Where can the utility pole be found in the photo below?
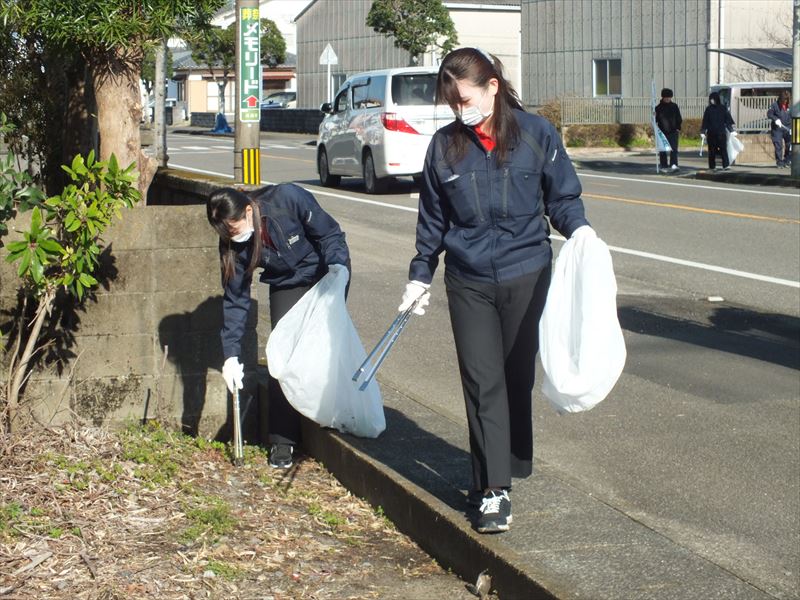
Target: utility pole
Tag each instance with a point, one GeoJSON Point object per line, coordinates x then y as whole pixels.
{"type": "Point", "coordinates": [246, 148]}
{"type": "Point", "coordinates": [159, 109]}
{"type": "Point", "coordinates": [796, 91]}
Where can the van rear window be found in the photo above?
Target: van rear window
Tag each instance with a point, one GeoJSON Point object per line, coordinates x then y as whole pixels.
{"type": "Point", "coordinates": [414, 89]}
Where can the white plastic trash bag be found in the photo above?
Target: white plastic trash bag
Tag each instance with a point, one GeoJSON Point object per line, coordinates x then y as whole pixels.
{"type": "Point", "coordinates": [580, 339]}
{"type": "Point", "coordinates": [735, 147]}
{"type": "Point", "coordinates": [314, 351]}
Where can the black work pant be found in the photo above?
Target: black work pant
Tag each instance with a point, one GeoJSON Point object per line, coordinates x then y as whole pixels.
{"type": "Point", "coordinates": [496, 331]}
{"type": "Point", "coordinates": [672, 138]}
{"type": "Point", "coordinates": [717, 146]}
{"type": "Point", "coordinates": [782, 141]}
{"type": "Point", "coordinates": [283, 423]}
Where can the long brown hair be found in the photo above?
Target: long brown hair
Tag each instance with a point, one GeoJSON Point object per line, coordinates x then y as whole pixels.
{"type": "Point", "coordinates": [223, 206]}
{"type": "Point", "coordinates": [478, 67]}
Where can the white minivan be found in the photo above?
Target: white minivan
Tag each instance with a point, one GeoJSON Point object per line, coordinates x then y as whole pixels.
{"type": "Point", "coordinates": [379, 126]}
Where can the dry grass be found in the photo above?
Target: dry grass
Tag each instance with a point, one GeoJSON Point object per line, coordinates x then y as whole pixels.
{"type": "Point", "coordinates": [148, 513]}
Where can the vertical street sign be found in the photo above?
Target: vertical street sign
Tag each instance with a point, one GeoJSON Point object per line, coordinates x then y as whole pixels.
{"type": "Point", "coordinates": [249, 65]}
{"type": "Point", "coordinates": [247, 141]}
{"type": "Point", "coordinates": [328, 57]}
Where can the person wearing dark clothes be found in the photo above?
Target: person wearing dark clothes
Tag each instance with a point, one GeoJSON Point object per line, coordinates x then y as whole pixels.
{"type": "Point", "coordinates": [281, 230]}
{"type": "Point", "coordinates": [489, 179]}
{"type": "Point", "coordinates": [717, 123]}
{"type": "Point", "coordinates": [780, 128]}
{"type": "Point", "coordinates": [668, 119]}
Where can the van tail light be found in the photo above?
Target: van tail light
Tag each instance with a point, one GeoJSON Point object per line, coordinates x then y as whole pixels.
{"type": "Point", "coordinates": [394, 122]}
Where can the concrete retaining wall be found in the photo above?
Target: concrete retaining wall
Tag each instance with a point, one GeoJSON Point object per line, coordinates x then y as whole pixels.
{"type": "Point", "coordinates": [147, 344]}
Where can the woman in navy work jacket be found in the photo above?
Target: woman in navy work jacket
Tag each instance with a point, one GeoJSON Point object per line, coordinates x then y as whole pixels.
{"type": "Point", "coordinates": [489, 180]}
{"type": "Point", "coordinates": [283, 231]}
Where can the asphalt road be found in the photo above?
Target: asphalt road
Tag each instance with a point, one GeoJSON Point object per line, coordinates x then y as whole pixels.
{"type": "Point", "coordinates": [700, 439]}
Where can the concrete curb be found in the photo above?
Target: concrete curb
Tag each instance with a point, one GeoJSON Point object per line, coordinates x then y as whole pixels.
{"type": "Point", "coordinates": [748, 178]}
{"type": "Point", "coordinates": [439, 530]}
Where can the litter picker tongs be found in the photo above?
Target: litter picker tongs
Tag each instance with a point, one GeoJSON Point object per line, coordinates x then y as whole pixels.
{"type": "Point", "coordinates": [383, 346]}
{"type": "Point", "coordinates": [238, 451]}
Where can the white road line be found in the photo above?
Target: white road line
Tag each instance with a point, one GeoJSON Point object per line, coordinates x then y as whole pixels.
{"type": "Point", "coordinates": [280, 147]}
{"type": "Point", "coordinates": [691, 185]}
{"type": "Point", "coordinates": [650, 255]}
{"type": "Point", "coordinates": [224, 147]}
{"type": "Point", "coordinates": [192, 148]}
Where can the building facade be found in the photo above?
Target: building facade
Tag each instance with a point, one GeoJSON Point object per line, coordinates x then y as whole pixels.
{"type": "Point", "coordinates": [494, 25]}
{"type": "Point", "coordinates": [616, 48]}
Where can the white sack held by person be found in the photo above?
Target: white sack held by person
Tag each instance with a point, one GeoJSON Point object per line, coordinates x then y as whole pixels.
{"type": "Point", "coordinates": [313, 352]}
{"type": "Point", "coordinates": [735, 146]}
{"type": "Point", "coordinates": [581, 344]}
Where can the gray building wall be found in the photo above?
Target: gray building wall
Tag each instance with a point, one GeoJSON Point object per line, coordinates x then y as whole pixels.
{"type": "Point", "coordinates": [358, 48]}
{"type": "Point", "coordinates": [665, 41]}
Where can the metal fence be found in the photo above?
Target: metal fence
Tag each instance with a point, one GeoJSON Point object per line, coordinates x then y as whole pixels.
{"type": "Point", "coordinates": [604, 111]}
{"type": "Point", "coordinates": [750, 114]}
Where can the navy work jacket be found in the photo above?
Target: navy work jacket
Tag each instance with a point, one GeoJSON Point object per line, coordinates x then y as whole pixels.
{"type": "Point", "coordinates": [299, 241]}
{"type": "Point", "coordinates": [489, 219]}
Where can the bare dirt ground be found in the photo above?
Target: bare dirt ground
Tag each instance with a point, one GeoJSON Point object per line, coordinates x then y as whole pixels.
{"type": "Point", "coordinates": [148, 513]}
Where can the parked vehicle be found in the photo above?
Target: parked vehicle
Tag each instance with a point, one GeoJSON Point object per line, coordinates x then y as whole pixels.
{"type": "Point", "coordinates": [748, 101]}
{"type": "Point", "coordinates": [379, 126]}
{"type": "Point", "coordinates": [279, 100]}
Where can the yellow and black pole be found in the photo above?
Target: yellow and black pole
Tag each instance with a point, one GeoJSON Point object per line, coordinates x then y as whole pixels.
{"type": "Point", "coordinates": [246, 149]}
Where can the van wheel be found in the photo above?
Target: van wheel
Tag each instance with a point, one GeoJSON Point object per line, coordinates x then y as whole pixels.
{"type": "Point", "coordinates": [325, 177]}
{"type": "Point", "coordinates": [372, 183]}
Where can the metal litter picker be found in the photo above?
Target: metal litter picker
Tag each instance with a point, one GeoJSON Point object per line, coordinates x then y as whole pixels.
{"type": "Point", "coordinates": [238, 451]}
{"type": "Point", "coordinates": [383, 346]}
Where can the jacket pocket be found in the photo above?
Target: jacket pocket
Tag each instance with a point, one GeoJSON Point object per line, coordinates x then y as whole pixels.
{"type": "Point", "coordinates": [465, 200]}
{"type": "Point", "coordinates": [520, 192]}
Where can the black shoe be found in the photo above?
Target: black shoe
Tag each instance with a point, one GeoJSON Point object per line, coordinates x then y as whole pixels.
{"type": "Point", "coordinates": [495, 512]}
{"type": "Point", "coordinates": [280, 456]}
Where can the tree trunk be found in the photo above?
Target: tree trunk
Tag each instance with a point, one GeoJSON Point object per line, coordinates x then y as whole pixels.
{"type": "Point", "coordinates": [20, 369]}
{"type": "Point", "coordinates": [119, 113]}
{"type": "Point", "coordinates": [221, 87]}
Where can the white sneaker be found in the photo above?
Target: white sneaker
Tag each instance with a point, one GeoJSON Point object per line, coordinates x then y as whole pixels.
{"type": "Point", "coordinates": [674, 168]}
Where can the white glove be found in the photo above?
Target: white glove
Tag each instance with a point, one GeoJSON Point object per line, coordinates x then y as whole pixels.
{"type": "Point", "coordinates": [414, 290]}
{"type": "Point", "coordinates": [338, 268]}
{"type": "Point", "coordinates": [778, 123]}
{"type": "Point", "coordinates": [233, 374]}
{"type": "Point", "coordinates": [734, 133]}
{"type": "Point", "coordinates": [584, 231]}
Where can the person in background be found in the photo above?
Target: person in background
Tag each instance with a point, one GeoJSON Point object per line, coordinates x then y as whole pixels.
{"type": "Point", "coordinates": [716, 124]}
{"type": "Point", "coordinates": [780, 128]}
{"type": "Point", "coordinates": [489, 179]}
{"type": "Point", "coordinates": [668, 119]}
{"type": "Point", "coordinates": [281, 230]}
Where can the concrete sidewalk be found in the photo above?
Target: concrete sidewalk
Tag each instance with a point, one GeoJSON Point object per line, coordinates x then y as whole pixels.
{"type": "Point", "coordinates": [564, 542]}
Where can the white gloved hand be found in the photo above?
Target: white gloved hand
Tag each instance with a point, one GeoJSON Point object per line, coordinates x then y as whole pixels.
{"type": "Point", "coordinates": [584, 231]}
{"type": "Point", "coordinates": [414, 290]}
{"type": "Point", "coordinates": [778, 123]}
{"type": "Point", "coordinates": [734, 133]}
{"type": "Point", "coordinates": [335, 269]}
{"type": "Point", "coordinates": [233, 374]}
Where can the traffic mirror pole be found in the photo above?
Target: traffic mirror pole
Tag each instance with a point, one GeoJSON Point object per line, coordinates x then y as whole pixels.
{"type": "Point", "coordinates": [246, 145]}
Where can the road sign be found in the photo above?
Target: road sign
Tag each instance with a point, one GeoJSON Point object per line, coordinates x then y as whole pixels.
{"type": "Point", "coordinates": [249, 65]}
{"type": "Point", "coordinates": [328, 56]}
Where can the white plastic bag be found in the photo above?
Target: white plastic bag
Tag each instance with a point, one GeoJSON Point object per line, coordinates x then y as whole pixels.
{"type": "Point", "coordinates": [580, 339]}
{"type": "Point", "coordinates": [735, 147]}
{"type": "Point", "coordinates": [313, 352]}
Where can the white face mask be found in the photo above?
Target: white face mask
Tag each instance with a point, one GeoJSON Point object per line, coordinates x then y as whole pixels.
{"type": "Point", "coordinates": [473, 115]}
{"type": "Point", "coordinates": [242, 237]}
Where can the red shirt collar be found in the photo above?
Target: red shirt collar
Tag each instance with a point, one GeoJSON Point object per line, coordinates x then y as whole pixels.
{"type": "Point", "coordinates": [486, 140]}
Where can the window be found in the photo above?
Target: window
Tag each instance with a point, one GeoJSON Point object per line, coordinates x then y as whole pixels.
{"type": "Point", "coordinates": [414, 89]}
{"type": "Point", "coordinates": [360, 89]}
{"type": "Point", "coordinates": [340, 104]}
{"type": "Point", "coordinates": [376, 92]}
{"type": "Point", "coordinates": [608, 77]}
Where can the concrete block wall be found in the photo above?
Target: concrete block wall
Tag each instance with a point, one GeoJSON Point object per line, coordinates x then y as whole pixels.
{"type": "Point", "coordinates": [147, 344]}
